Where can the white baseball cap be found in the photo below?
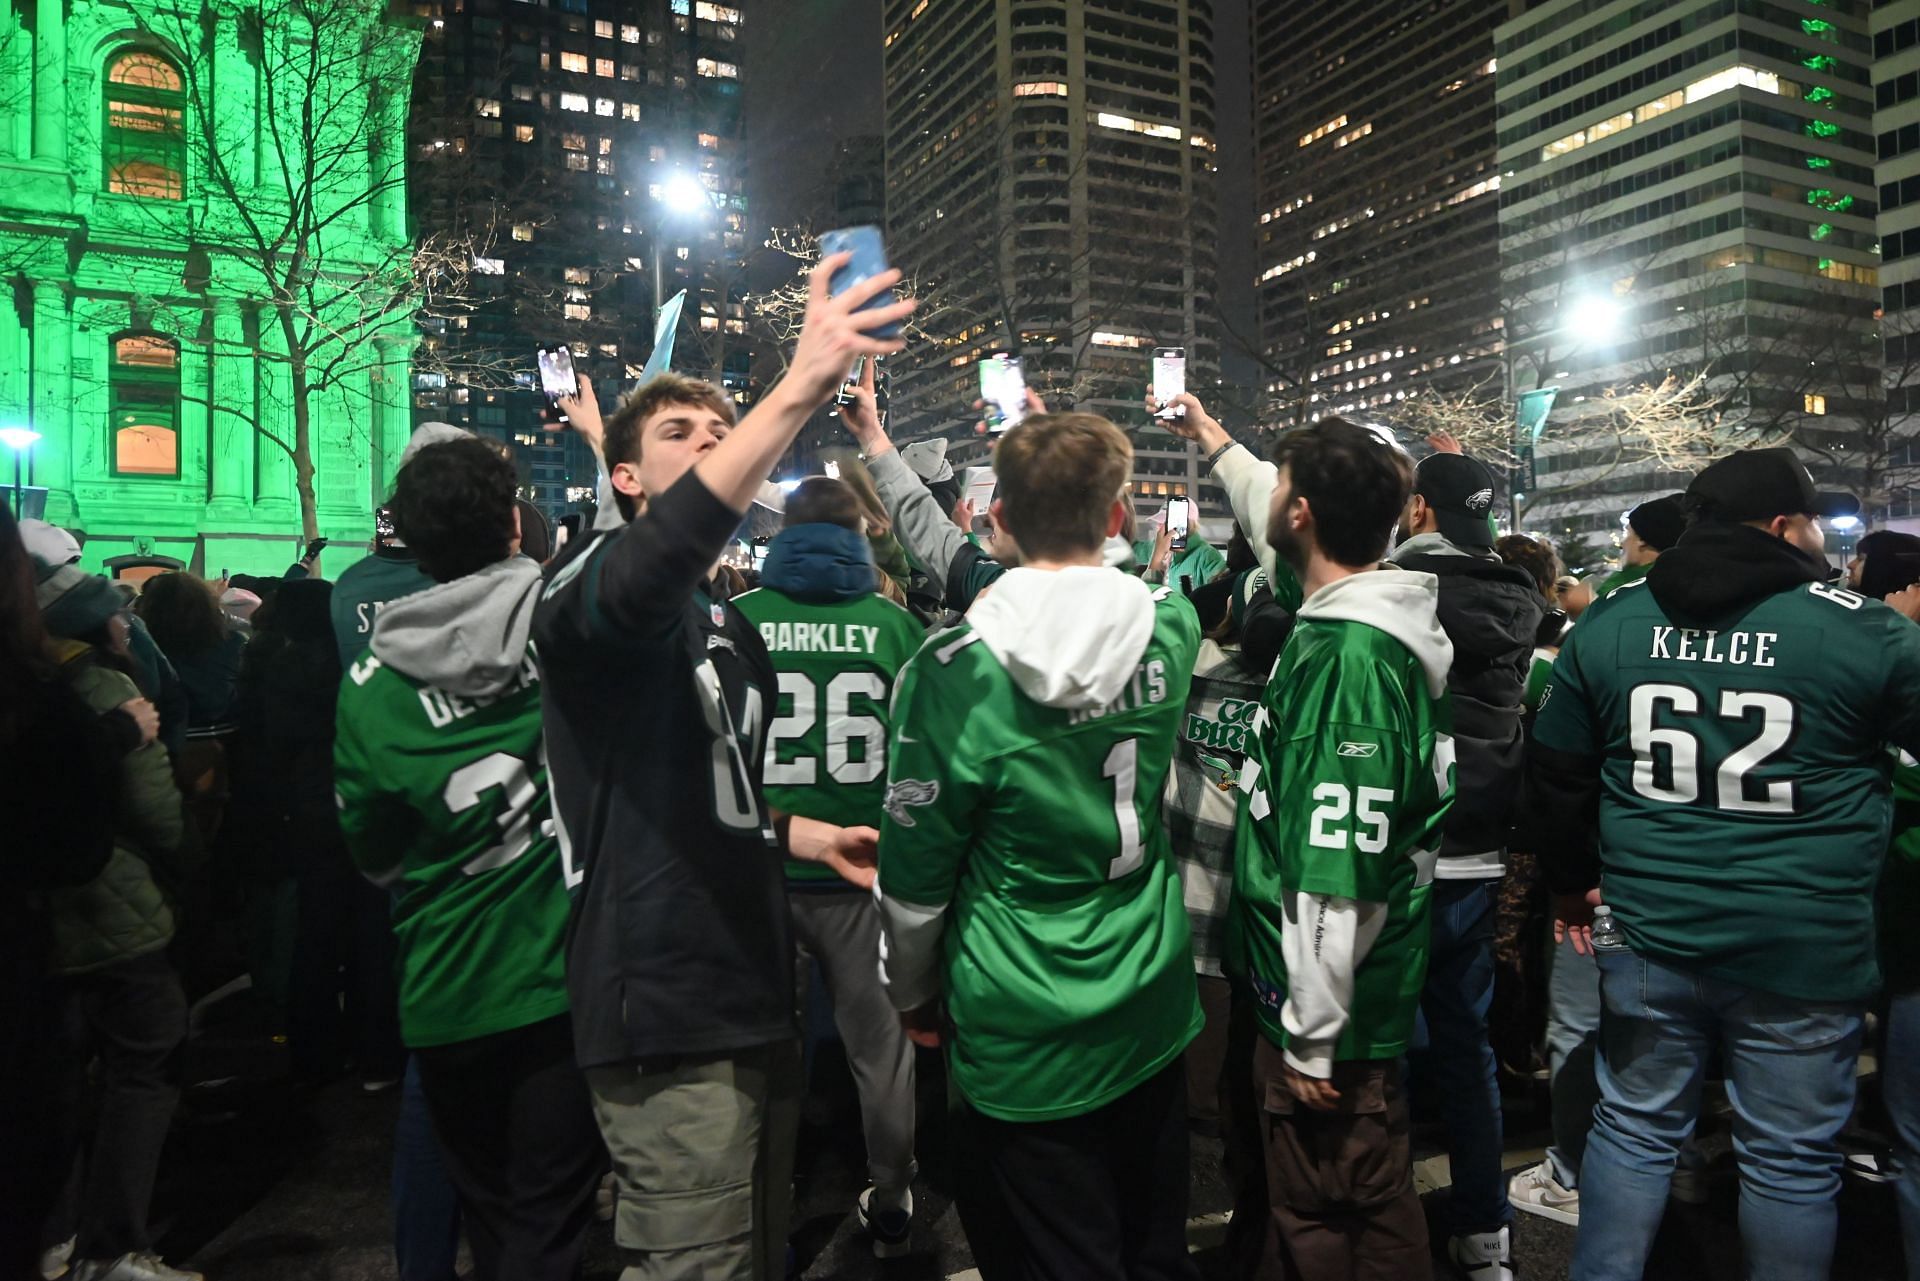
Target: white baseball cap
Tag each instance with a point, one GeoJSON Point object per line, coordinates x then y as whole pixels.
{"type": "Point", "coordinates": [49, 543]}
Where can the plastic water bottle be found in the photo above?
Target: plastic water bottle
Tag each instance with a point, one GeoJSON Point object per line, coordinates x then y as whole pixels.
{"type": "Point", "coordinates": [1607, 934]}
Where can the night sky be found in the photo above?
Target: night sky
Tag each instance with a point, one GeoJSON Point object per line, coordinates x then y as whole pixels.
{"type": "Point", "coordinates": [813, 76]}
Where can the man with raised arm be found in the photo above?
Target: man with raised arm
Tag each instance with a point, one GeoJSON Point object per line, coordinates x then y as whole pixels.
{"type": "Point", "coordinates": [657, 696]}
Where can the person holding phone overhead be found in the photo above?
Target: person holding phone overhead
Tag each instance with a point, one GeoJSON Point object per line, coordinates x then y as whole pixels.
{"type": "Point", "coordinates": [679, 954]}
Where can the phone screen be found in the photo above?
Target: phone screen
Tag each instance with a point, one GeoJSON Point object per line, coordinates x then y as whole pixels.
{"type": "Point", "coordinates": [832, 469]}
{"type": "Point", "coordinates": [845, 395]}
{"type": "Point", "coordinates": [869, 250]}
{"type": "Point", "coordinates": [383, 523]}
{"type": "Point", "coordinates": [1004, 389]}
{"type": "Point", "coordinates": [1170, 379]}
{"type": "Point", "coordinates": [556, 373]}
{"type": "Point", "coordinates": [1179, 516]}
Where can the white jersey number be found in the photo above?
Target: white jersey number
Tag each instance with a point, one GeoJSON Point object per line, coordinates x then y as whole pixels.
{"type": "Point", "coordinates": [514, 777]}
{"type": "Point", "coordinates": [844, 729]}
{"type": "Point", "coordinates": [1123, 767]}
{"type": "Point", "coordinates": [1679, 748]}
{"type": "Point", "coordinates": [1334, 801]}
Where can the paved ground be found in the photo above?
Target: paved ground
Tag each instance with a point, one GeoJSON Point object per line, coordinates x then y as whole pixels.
{"type": "Point", "coordinates": [263, 1183]}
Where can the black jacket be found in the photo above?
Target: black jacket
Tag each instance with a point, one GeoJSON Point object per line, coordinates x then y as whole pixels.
{"type": "Point", "coordinates": [1489, 610]}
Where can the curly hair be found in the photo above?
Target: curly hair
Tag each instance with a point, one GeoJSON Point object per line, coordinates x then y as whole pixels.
{"type": "Point", "coordinates": [1532, 555]}
{"type": "Point", "coordinates": [453, 506]}
{"type": "Point", "coordinates": [182, 613]}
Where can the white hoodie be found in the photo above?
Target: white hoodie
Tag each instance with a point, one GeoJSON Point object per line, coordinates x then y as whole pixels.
{"type": "Point", "coordinates": [1327, 938]}
{"type": "Point", "coordinates": [1069, 638]}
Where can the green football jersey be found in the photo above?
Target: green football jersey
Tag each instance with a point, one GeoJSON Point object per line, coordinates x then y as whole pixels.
{"type": "Point", "coordinates": [1348, 777]}
{"type": "Point", "coordinates": [1745, 799]}
{"type": "Point", "coordinates": [1068, 966]}
{"type": "Point", "coordinates": [827, 747]}
{"type": "Point", "coordinates": [444, 799]}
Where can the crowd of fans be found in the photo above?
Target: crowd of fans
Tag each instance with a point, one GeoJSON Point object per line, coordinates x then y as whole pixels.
{"type": "Point", "coordinates": [1278, 843]}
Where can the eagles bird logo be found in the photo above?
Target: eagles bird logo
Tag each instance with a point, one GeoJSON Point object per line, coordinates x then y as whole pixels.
{"type": "Point", "coordinates": [906, 793]}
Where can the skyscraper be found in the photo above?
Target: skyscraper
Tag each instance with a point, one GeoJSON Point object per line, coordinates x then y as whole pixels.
{"type": "Point", "coordinates": [1896, 125]}
{"type": "Point", "coordinates": [1378, 202]}
{"type": "Point", "coordinates": [1050, 192]}
{"type": "Point", "coordinates": [582, 145]}
{"type": "Point", "coordinates": [1687, 188]}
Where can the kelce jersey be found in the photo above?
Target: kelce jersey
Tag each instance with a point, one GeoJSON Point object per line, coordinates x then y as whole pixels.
{"type": "Point", "coordinates": [1744, 786]}
{"type": "Point", "coordinates": [1348, 777]}
{"type": "Point", "coordinates": [446, 798]}
{"type": "Point", "coordinates": [827, 747]}
{"type": "Point", "coordinates": [1068, 966]}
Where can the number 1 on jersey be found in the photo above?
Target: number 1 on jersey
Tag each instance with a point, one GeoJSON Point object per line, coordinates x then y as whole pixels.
{"type": "Point", "coordinates": [1123, 767]}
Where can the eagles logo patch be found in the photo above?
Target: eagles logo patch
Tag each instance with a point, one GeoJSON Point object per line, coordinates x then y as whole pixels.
{"type": "Point", "coordinates": [907, 794]}
{"type": "Point", "coordinates": [1479, 500]}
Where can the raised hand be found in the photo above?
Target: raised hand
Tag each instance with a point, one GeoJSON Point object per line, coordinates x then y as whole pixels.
{"type": "Point", "coordinates": [1197, 425]}
{"type": "Point", "coordinates": [835, 331]}
{"type": "Point", "coordinates": [583, 413]}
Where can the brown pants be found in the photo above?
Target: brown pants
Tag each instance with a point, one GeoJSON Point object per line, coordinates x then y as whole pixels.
{"type": "Point", "coordinates": [1340, 1184]}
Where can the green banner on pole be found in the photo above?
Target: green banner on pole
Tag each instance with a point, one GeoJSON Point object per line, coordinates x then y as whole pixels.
{"type": "Point", "coordinates": [1532, 410]}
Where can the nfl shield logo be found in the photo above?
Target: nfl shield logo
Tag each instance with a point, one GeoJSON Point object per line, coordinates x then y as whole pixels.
{"type": "Point", "coordinates": [718, 613]}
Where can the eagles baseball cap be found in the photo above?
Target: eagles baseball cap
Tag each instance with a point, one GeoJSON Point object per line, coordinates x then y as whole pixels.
{"type": "Point", "coordinates": [1460, 491]}
{"type": "Point", "coordinates": [1759, 484]}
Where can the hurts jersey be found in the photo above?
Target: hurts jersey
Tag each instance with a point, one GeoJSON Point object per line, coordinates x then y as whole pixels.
{"type": "Point", "coordinates": [835, 662]}
{"type": "Point", "coordinates": [444, 799]}
{"type": "Point", "coordinates": [1349, 775]}
{"type": "Point", "coordinates": [1068, 969]}
{"type": "Point", "coordinates": [1744, 783]}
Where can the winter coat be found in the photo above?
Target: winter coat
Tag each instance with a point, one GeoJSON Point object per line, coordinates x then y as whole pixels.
{"type": "Point", "coordinates": [123, 912]}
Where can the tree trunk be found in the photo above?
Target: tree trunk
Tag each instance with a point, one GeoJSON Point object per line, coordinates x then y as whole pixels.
{"type": "Point", "coordinates": [301, 394]}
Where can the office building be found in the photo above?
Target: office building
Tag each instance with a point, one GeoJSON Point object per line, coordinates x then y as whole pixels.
{"type": "Point", "coordinates": [1896, 127]}
{"type": "Point", "coordinates": [591, 150]}
{"type": "Point", "coordinates": [1050, 192]}
{"type": "Point", "coordinates": [1378, 203]}
{"type": "Point", "coordinates": [1687, 188]}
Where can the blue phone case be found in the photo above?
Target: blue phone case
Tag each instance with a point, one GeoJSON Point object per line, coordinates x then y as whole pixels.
{"type": "Point", "coordinates": [869, 250]}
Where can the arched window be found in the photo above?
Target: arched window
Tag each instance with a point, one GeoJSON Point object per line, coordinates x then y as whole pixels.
{"type": "Point", "coordinates": [145, 139]}
{"type": "Point", "coordinates": [143, 398]}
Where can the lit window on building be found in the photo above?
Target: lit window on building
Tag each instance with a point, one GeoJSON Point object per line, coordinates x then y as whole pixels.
{"type": "Point", "coordinates": [143, 400]}
{"type": "Point", "coordinates": [1338, 122]}
{"type": "Point", "coordinates": [1815, 402]}
{"type": "Point", "coordinates": [1109, 120]}
{"type": "Point", "coordinates": [715, 12]}
{"type": "Point", "coordinates": [574, 102]}
{"type": "Point", "coordinates": [1739, 76]}
{"type": "Point", "coordinates": [629, 111]}
{"type": "Point", "coordinates": [573, 142]}
{"type": "Point", "coordinates": [604, 165]}
{"type": "Point", "coordinates": [629, 33]}
{"type": "Point", "coordinates": [604, 106]}
{"type": "Point", "coordinates": [1041, 89]}
{"type": "Point", "coordinates": [603, 67]}
{"type": "Point", "coordinates": [1105, 338]}
{"type": "Point", "coordinates": [574, 62]}
{"type": "Point", "coordinates": [577, 161]}
{"type": "Point", "coordinates": [603, 29]}
{"type": "Point", "coordinates": [521, 93]}
{"type": "Point", "coordinates": [714, 69]}
{"type": "Point", "coordinates": [578, 275]}
{"type": "Point", "coordinates": [708, 140]}
{"type": "Point", "coordinates": [145, 148]}
{"type": "Point", "coordinates": [490, 266]}
{"type": "Point", "coordinates": [1353, 135]}
{"type": "Point", "coordinates": [577, 311]}
{"type": "Point", "coordinates": [523, 133]}
{"type": "Point", "coordinates": [629, 71]}
{"type": "Point", "coordinates": [487, 108]}
{"type": "Point", "coordinates": [1282, 268]}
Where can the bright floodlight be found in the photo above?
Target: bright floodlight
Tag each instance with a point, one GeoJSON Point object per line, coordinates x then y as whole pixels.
{"type": "Point", "coordinates": [1594, 318]}
{"type": "Point", "coordinates": [1844, 523]}
{"type": "Point", "coordinates": [683, 194]}
{"type": "Point", "coordinates": [18, 438]}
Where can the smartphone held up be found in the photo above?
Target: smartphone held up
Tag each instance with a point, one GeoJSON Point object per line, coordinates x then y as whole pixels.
{"type": "Point", "coordinates": [869, 251]}
{"type": "Point", "coordinates": [1169, 380]}
{"type": "Point", "coordinates": [556, 375]}
{"type": "Point", "coordinates": [1003, 392]}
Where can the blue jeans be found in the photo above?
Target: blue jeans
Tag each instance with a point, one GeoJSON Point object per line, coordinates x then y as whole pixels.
{"type": "Point", "coordinates": [1900, 1087]}
{"type": "Point", "coordinates": [1458, 1057]}
{"type": "Point", "coordinates": [1573, 1039]}
{"type": "Point", "coordinates": [426, 1210]}
{"type": "Point", "coordinates": [1790, 1077]}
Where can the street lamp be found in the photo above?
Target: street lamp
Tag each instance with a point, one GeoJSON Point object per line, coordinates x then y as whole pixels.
{"type": "Point", "coordinates": [1593, 319]}
{"type": "Point", "coordinates": [681, 198]}
{"type": "Point", "coordinates": [20, 440]}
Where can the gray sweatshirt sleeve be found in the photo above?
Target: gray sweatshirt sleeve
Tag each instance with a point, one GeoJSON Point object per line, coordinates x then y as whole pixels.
{"type": "Point", "coordinates": [928, 534]}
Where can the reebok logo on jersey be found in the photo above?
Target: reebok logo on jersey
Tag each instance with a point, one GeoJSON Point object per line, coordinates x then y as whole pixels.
{"type": "Point", "coordinates": [909, 792]}
{"type": "Point", "coordinates": [1359, 749]}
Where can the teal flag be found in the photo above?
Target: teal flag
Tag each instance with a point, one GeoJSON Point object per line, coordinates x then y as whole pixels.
{"type": "Point", "coordinates": [1532, 411]}
{"type": "Point", "coordinates": [665, 326]}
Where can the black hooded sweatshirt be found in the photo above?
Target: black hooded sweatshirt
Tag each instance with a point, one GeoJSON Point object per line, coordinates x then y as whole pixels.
{"type": "Point", "coordinates": [1490, 611]}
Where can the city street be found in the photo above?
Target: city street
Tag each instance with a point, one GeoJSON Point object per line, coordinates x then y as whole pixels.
{"type": "Point", "coordinates": [263, 1184]}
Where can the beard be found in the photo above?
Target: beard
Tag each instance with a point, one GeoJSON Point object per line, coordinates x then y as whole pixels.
{"type": "Point", "coordinates": [1288, 546]}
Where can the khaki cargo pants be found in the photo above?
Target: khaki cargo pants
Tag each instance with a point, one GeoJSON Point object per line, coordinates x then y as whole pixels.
{"type": "Point", "coordinates": [703, 1151]}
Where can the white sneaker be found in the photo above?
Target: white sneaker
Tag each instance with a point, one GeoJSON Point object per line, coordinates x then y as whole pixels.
{"type": "Point", "coordinates": [891, 1230]}
{"type": "Point", "coordinates": [1483, 1256]}
{"type": "Point", "coordinates": [54, 1259]}
{"type": "Point", "coordinates": [145, 1266]}
{"type": "Point", "coordinates": [1535, 1191]}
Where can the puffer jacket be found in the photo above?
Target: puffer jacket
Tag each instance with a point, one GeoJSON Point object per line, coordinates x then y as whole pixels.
{"type": "Point", "coordinates": [123, 912]}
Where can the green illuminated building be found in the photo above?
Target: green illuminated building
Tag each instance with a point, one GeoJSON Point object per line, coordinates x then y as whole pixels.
{"type": "Point", "coordinates": [204, 240]}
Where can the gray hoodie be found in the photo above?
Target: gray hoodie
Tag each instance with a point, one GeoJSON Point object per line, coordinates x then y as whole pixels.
{"type": "Point", "coordinates": [469, 636]}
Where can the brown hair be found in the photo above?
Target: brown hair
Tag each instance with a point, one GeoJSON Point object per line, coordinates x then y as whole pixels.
{"type": "Point", "coordinates": [1355, 482]}
{"type": "Point", "coordinates": [622, 443]}
{"type": "Point", "coordinates": [1532, 555]}
{"type": "Point", "coordinates": [1060, 475]}
{"type": "Point", "coordinates": [182, 613]}
{"type": "Point", "coordinates": [822, 500]}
